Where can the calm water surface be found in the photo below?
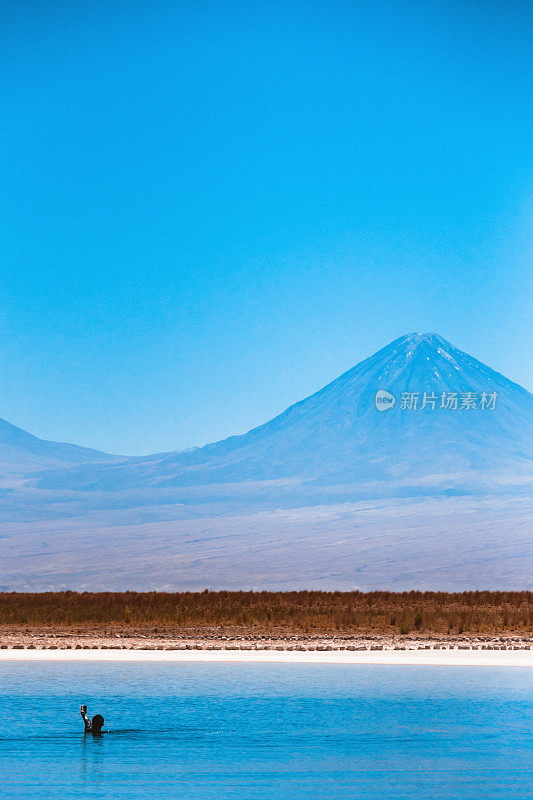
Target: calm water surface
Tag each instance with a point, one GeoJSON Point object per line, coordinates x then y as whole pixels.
{"type": "Point", "coordinates": [265, 731]}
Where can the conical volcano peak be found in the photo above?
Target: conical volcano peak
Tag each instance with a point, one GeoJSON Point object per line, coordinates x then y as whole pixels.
{"type": "Point", "coordinates": [429, 347]}
{"type": "Point", "coordinates": [411, 355]}
{"type": "Point", "coordinates": [432, 339]}
{"type": "Point", "coordinates": [417, 335]}
{"type": "Point", "coordinates": [425, 364]}
{"type": "Point", "coordinates": [419, 361]}
{"type": "Point", "coordinates": [416, 346]}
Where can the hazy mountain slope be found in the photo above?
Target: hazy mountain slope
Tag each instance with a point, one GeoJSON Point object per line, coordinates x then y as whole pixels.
{"type": "Point", "coordinates": [21, 453]}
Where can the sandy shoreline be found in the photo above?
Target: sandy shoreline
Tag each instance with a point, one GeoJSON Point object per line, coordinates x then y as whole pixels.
{"type": "Point", "coordinates": [474, 658]}
{"type": "Point", "coordinates": [245, 646]}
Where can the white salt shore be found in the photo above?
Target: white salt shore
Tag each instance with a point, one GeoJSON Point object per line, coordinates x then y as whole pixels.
{"type": "Point", "coordinates": [430, 658]}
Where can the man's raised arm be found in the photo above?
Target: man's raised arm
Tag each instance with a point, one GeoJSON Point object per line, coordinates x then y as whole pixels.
{"type": "Point", "coordinates": [87, 721]}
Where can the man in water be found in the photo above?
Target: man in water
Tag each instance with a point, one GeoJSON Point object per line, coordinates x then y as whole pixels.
{"type": "Point", "coordinates": [92, 726]}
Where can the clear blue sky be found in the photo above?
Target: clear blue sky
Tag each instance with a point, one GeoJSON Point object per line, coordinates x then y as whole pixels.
{"type": "Point", "coordinates": [210, 210]}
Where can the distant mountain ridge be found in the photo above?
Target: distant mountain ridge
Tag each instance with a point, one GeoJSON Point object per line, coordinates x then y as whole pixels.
{"type": "Point", "coordinates": [337, 435]}
{"type": "Point", "coordinates": [21, 452]}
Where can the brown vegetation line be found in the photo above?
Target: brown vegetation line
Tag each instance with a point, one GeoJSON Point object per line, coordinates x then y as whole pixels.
{"type": "Point", "coordinates": [298, 612]}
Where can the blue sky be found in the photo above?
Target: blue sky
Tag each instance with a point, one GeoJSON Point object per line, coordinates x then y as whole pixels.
{"type": "Point", "coordinates": [210, 210]}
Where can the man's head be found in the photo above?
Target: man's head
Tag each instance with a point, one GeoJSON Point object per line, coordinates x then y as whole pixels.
{"type": "Point", "coordinates": [97, 723]}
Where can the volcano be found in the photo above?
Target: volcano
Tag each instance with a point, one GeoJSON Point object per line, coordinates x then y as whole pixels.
{"type": "Point", "coordinates": [449, 416]}
{"type": "Point", "coordinates": [411, 470]}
